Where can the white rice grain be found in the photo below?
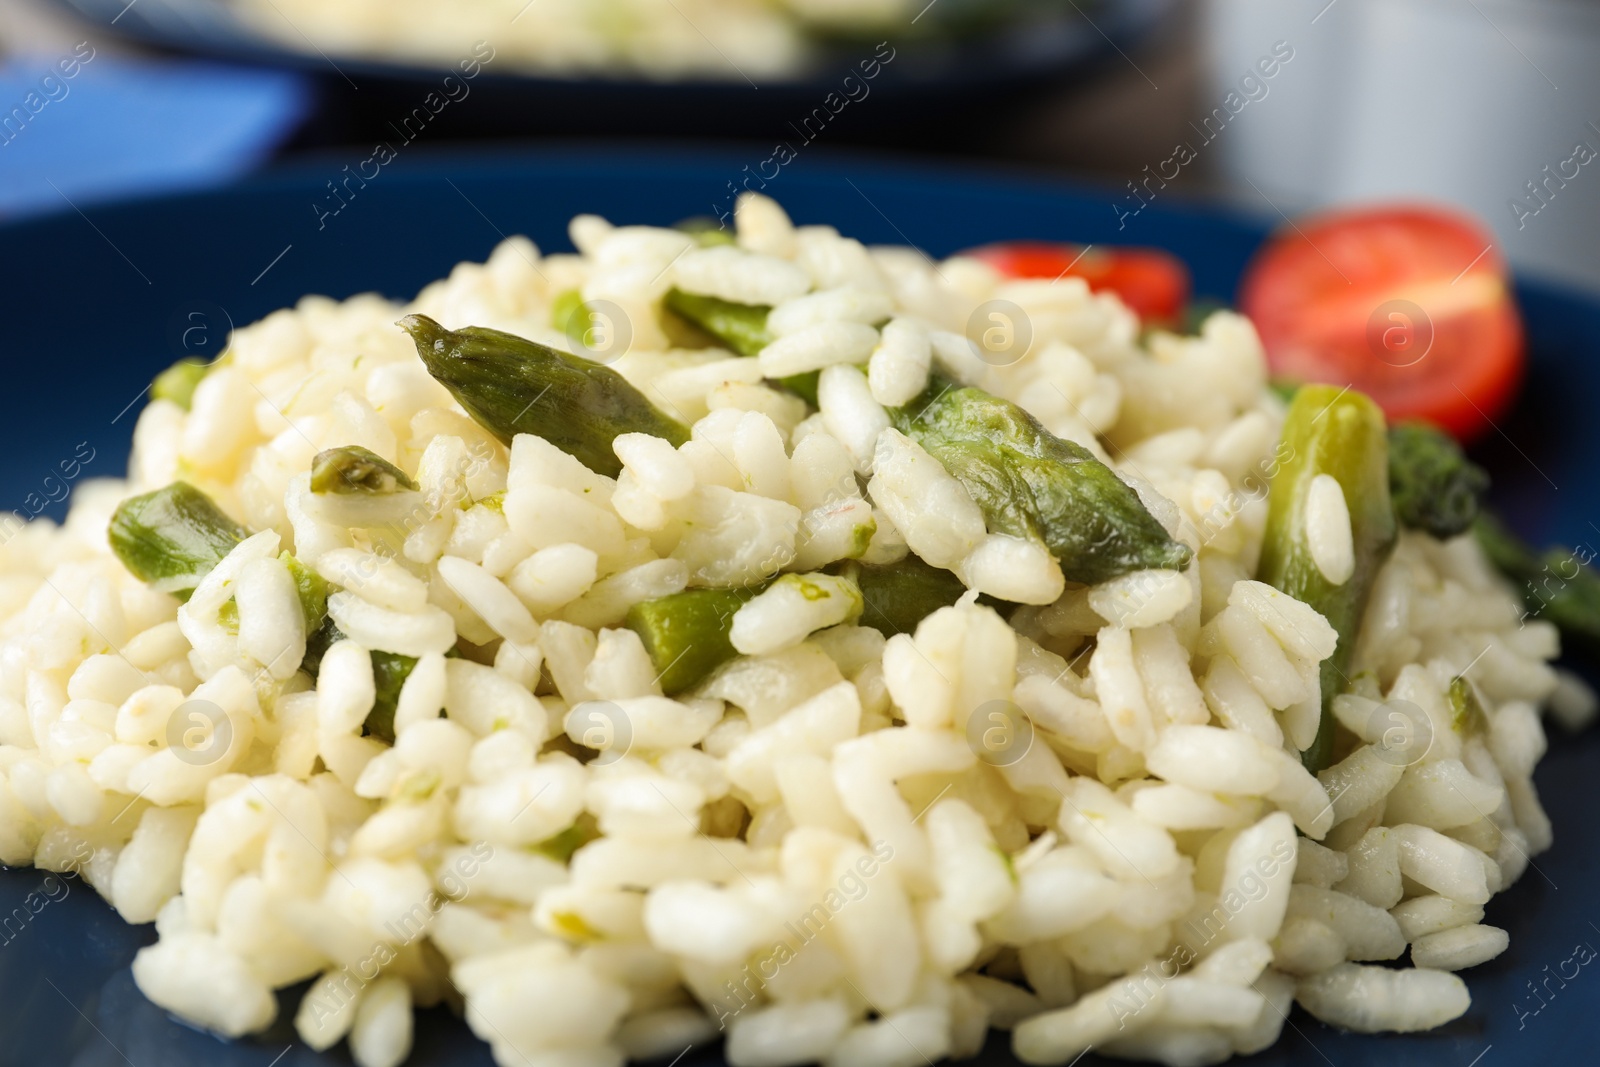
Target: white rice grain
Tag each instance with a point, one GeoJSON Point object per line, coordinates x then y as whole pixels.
{"type": "Point", "coordinates": [1141, 598]}
{"type": "Point", "coordinates": [898, 369]}
{"type": "Point", "coordinates": [194, 975]}
{"type": "Point", "coordinates": [380, 1035]}
{"type": "Point", "coordinates": [1372, 1000]}
{"type": "Point", "coordinates": [850, 413]}
{"type": "Point", "coordinates": [1445, 866]}
{"type": "Point", "coordinates": [784, 1034]}
{"type": "Point", "coordinates": [792, 607]}
{"type": "Point", "coordinates": [931, 510]}
{"type": "Point", "coordinates": [1458, 948]}
{"type": "Point", "coordinates": [1328, 536]}
{"type": "Point", "coordinates": [1421, 916]}
{"type": "Point", "coordinates": [490, 598]}
{"type": "Point", "coordinates": [1214, 760]}
{"type": "Point", "coordinates": [742, 277]}
{"type": "Point", "coordinates": [407, 633]}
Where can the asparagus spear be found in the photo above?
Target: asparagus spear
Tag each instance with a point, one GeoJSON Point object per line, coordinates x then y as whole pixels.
{"type": "Point", "coordinates": [743, 328]}
{"type": "Point", "coordinates": [1435, 487]}
{"type": "Point", "coordinates": [352, 486]}
{"type": "Point", "coordinates": [511, 385]}
{"type": "Point", "coordinates": [1030, 483]}
{"type": "Point", "coordinates": [172, 537]}
{"type": "Point", "coordinates": [1339, 433]}
{"type": "Point", "coordinates": [687, 633]}
{"type": "Point", "coordinates": [897, 596]}
{"type": "Point", "coordinates": [1557, 584]}
{"type": "Point", "coordinates": [351, 469]}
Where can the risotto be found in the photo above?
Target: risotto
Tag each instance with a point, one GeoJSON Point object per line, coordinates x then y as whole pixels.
{"type": "Point", "coordinates": [722, 39]}
{"type": "Point", "coordinates": [769, 638]}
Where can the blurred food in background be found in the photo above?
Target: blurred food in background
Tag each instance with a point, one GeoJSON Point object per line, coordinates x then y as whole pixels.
{"type": "Point", "coordinates": [664, 39]}
{"type": "Point", "coordinates": [1151, 281]}
{"type": "Point", "coordinates": [954, 76]}
{"type": "Point", "coordinates": [657, 38]}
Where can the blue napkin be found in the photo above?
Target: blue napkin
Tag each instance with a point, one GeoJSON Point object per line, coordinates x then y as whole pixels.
{"type": "Point", "coordinates": [83, 126]}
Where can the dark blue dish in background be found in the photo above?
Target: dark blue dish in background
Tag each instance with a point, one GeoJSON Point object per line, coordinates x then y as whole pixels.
{"type": "Point", "coordinates": [96, 305]}
{"type": "Point", "coordinates": [931, 86]}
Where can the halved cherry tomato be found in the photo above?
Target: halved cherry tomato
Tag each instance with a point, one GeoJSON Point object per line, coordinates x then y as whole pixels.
{"type": "Point", "coordinates": [1407, 303]}
{"type": "Point", "coordinates": [1155, 284]}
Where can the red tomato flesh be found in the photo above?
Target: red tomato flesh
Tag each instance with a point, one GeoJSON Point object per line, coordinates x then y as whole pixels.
{"type": "Point", "coordinates": [1409, 304]}
{"type": "Point", "coordinates": [1153, 283]}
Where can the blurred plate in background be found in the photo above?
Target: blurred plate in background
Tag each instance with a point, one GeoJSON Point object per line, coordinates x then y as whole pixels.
{"type": "Point", "coordinates": [930, 81]}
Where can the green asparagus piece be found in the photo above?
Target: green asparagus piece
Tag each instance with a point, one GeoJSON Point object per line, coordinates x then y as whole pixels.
{"type": "Point", "coordinates": [309, 586]}
{"type": "Point", "coordinates": [561, 847]}
{"type": "Point", "coordinates": [1467, 716]}
{"type": "Point", "coordinates": [1435, 487]}
{"type": "Point", "coordinates": [1339, 433]}
{"type": "Point", "coordinates": [1557, 584]}
{"type": "Point", "coordinates": [318, 641]}
{"type": "Point", "coordinates": [897, 596]}
{"type": "Point", "coordinates": [742, 327]}
{"type": "Point", "coordinates": [803, 385]}
{"type": "Point", "coordinates": [706, 231]}
{"type": "Point", "coordinates": [511, 385]}
{"type": "Point", "coordinates": [312, 589]}
{"type": "Point", "coordinates": [353, 469]}
{"type": "Point", "coordinates": [173, 537]}
{"type": "Point", "coordinates": [389, 672]}
{"type": "Point", "coordinates": [687, 633]}
{"type": "Point", "coordinates": [569, 314]}
{"type": "Point", "coordinates": [1033, 484]}
{"type": "Point", "coordinates": [178, 382]}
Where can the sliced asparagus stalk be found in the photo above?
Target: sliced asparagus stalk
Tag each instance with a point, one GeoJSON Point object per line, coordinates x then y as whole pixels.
{"type": "Point", "coordinates": [511, 385]}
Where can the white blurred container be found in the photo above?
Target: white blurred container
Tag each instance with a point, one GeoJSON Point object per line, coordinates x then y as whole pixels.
{"type": "Point", "coordinates": [1458, 100]}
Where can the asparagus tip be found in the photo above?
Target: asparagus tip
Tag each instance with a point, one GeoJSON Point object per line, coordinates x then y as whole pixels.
{"type": "Point", "coordinates": [426, 332]}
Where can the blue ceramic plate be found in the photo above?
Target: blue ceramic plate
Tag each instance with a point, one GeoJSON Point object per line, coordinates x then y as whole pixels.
{"type": "Point", "coordinates": [97, 304]}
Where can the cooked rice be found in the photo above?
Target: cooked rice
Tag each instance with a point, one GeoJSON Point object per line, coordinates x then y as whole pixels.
{"type": "Point", "coordinates": [721, 39]}
{"type": "Point", "coordinates": [808, 853]}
